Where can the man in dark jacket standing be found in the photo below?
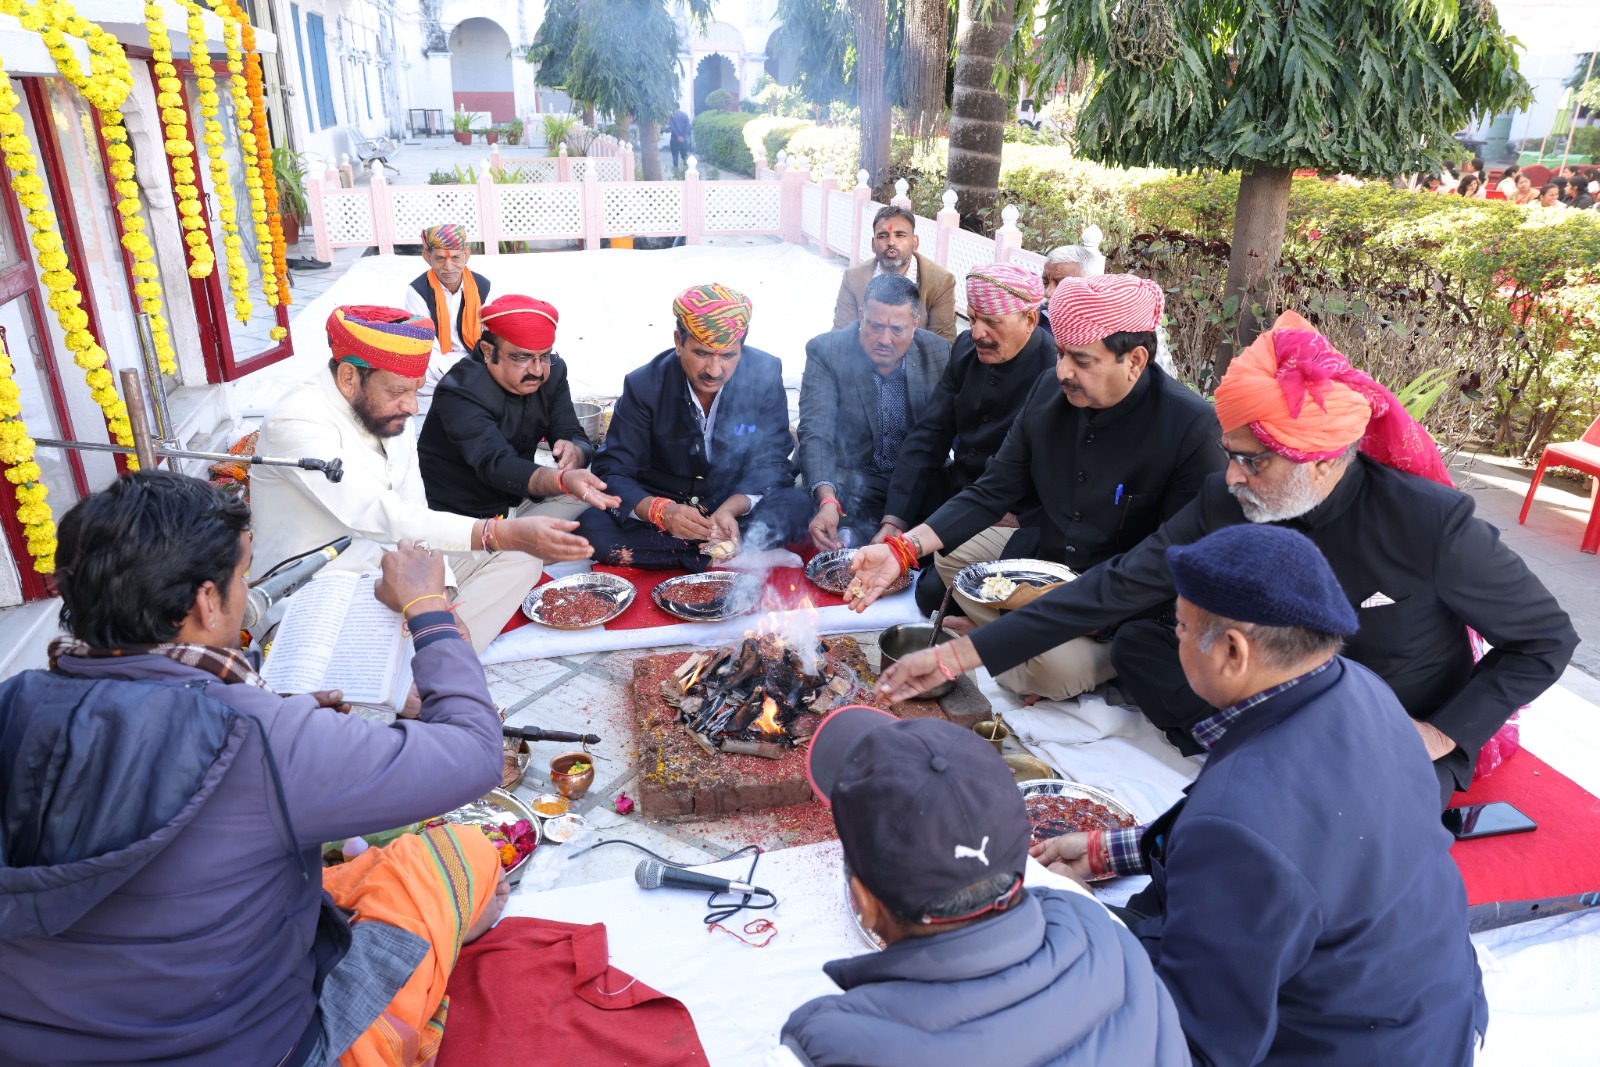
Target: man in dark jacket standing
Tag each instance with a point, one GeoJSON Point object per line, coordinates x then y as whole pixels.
{"type": "Point", "coordinates": [161, 892]}
{"type": "Point", "coordinates": [1111, 447]}
{"type": "Point", "coordinates": [493, 410]}
{"type": "Point", "coordinates": [977, 969]}
{"type": "Point", "coordinates": [1303, 907]}
{"type": "Point", "coordinates": [865, 386]}
{"type": "Point", "coordinates": [698, 448]}
{"type": "Point", "coordinates": [1415, 563]}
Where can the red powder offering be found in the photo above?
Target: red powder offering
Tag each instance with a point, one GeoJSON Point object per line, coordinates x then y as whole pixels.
{"type": "Point", "coordinates": [696, 593]}
{"type": "Point", "coordinates": [1053, 816]}
{"type": "Point", "coordinates": [576, 608]}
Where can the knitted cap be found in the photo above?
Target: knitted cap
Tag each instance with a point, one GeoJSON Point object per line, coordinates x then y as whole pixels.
{"type": "Point", "coordinates": [1267, 575]}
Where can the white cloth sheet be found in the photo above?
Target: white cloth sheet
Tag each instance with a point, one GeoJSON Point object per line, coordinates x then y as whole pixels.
{"type": "Point", "coordinates": [738, 996]}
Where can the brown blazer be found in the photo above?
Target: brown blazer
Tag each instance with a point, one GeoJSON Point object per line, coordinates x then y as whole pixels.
{"type": "Point", "coordinates": [938, 288]}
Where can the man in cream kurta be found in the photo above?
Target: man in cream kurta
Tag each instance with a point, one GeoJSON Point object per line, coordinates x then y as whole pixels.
{"type": "Point", "coordinates": [381, 499]}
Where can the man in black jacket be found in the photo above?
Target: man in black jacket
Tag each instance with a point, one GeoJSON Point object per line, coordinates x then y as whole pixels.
{"type": "Point", "coordinates": [993, 367]}
{"type": "Point", "coordinates": [865, 386]}
{"type": "Point", "coordinates": [1111, 447]}
{"type": "Point", "coordinates": [1413, 560]}
{"type": "Point", "coordinates": [698, 448]}
{"type": "Point", "coordinates": [479, 443]}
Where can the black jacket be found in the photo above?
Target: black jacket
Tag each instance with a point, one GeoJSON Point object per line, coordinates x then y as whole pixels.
{"type": "Point", "coordinates": [477, 444]}
{"type": "Point", "coordinates": [1415, 563]}
{"type": "Point", "coordinates": [1104, 482]}
{"type": "Point", "coordinates": [654, 446]}
{"type": "Point", "coordinates": [970, 411]}
{"type": "Point", "coordinates": [424, 290]}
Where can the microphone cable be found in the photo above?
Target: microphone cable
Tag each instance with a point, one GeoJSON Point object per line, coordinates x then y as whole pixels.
{"type": "Point", "coordinates": [720, 912]}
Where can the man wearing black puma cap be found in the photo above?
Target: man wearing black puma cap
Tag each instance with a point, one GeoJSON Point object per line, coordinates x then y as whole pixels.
{"type": "Point", "coordinates": [977, 968]}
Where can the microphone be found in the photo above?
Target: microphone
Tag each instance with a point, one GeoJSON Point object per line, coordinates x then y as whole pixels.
{"type": "Point", "coordinates": [651, 874]}
{"type": "Point", "coordinates": [275, 587]}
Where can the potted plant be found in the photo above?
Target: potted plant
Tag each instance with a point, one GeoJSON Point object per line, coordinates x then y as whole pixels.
{"type": "Point", "coordinates": [461, 125]}
{"type": "Point", "coordinates": [491, 134]}
{"type": "Point", "coordinates": [289, 169]}
{"type": "Point", "coordinates": [514, 130]}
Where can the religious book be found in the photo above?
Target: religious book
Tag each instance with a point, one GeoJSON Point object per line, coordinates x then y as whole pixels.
{"type": "Point", "coordinates": [336, 634]}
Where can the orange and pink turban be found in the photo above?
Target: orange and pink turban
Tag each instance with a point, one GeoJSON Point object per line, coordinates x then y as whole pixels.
{"type": "Point", "coordinates": [386, 338]}
{"type": "Point", "coordinates": [1305, 402]}
{"type": "Point", "coordinates": [713, 314]}
{"type": "Point", "coordinates": [1084, 311]}
{"type": "Point", "coordinates": [1002, 288]}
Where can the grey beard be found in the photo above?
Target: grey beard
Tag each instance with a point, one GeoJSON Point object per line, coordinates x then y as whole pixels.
{"type": "Point", "coordinates": [1296, 497]}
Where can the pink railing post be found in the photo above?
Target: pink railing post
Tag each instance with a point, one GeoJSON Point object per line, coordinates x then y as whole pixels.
{"type": "Point", "coordinates": [563, 164]}
{"type": "Point", "coordinates": [694, 203]}
{"type": "Point", "coordinates": [790, 181]}
{"type": "Point", "coordinates": [382, 213]}
{"type": "Point", "coordinates": [902, 194]}
{"type": "Point", "coordinates": [593, 209]}
{"type": "Point", "coordinates": [861, 195]}
{"type": "Point", "coordinates": [319, 215]}
{"type": "Point", "coordinates": [347, 175]}
{"type": "Point", "coordinates": [488, 214]}
{"type": "Point", "coordinates": [494, 155]}
{"type": "Point", "coordinates": [1008, 238]}
{"type": "Point", "coordinates": [626, 155]}
{"type": "Point", "coordinates": [829, 183]}
{"type": "Point", "coordinates": [949, 221]}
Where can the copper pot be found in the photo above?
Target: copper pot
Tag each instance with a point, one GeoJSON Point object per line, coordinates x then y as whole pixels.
{"type": "Point", "coordinates": [572, 786]}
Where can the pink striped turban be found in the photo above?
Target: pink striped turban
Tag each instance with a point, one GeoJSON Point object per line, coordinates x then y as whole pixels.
{"type": "Point", "coordinates": [1086, 310]}
{"type": "Point", "coordinates": [1002, 288]}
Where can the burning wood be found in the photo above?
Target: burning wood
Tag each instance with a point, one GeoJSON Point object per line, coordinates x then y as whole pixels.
{"type": "Point", "coordinates": [760, 697]}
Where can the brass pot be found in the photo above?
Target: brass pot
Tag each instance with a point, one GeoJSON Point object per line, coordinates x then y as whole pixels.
{"type": "Point", "coordinates": [572, 786]}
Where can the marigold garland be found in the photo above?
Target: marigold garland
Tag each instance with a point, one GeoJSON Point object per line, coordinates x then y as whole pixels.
{"type": "Point", "coordinates": [249, 148]}
{"type": "Point", "coordinates": [16, 452]}
{"type": "Point", "coordinates": [269, 176]}
{"type": "Point", "coordinates": [179, 149]}
{"type": "Point", "coordinates": [64, 297]}
{"type": "Point", "coordinates": [227, 209]}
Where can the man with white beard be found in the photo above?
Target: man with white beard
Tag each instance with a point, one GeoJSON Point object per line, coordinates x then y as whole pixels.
{"type": "Point", "coordinates": [1316, 445]}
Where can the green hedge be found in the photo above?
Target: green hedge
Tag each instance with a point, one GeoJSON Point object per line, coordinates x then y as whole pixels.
{"type": "Point", "coordinates": [719, 140]}
{"type": "Point", "coordinates": [770, 134]}
{"type": "Point", "coordinates": [821, 145]}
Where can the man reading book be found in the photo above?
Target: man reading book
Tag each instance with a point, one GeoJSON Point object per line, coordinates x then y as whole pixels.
{"type": "Point", "coordinates": [359, 411]}
{"type": "Point", "coordinates": [163, 885]}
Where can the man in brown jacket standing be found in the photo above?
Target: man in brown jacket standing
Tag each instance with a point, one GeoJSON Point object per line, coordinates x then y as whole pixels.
{"type": "Point", "coordinates": [894, 251]}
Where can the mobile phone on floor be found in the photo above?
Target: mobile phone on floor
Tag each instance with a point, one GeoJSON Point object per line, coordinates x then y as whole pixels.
{"type": "Point", "coordinates": [1486, 820]}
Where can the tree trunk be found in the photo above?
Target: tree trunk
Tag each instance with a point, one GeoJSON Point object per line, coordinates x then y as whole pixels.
{"type": "Point", "coordinates": [977, 112]}
{"type": "Point", "coordinates": [1258, 224]}
{"type": "Point", "coordinates": [871, 37]}
{"type": "Point", "coordinates": [650, 149]}
{"type": "Point", "coordinates": [923, 65]}
{"type": "Point", "coordinates": [588, 113]}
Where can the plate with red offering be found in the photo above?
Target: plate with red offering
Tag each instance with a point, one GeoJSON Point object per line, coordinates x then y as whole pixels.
{"type": "Point", "coordinates": [509, 824]}
{"type": "Point", "coordinates": [579, 601]}
{"type": "Point", "coordinates": [711, 596]}
{"type": "Point", "coordinates": [1056, 806]}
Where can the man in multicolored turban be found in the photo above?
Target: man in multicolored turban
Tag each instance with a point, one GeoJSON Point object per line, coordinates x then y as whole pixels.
{"type": "Point", "coordinates": [699, 447]}
{"type": "Point", "coordinates": [1313, 442]}
{"type": "Point", "coordinates": [452, 296]}
{"type": "Point", "coordinates": [894, 251]}
{"type": "Point", "coordinates": [864, 387]}
{"type": "Point", "coordinates": [1102, 452]}
{"type": "Point", "coordinates": [359, 411]}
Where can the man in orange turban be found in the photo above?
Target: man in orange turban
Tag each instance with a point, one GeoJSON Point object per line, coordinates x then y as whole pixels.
{"type": "Point", "coordinates": [1314, 443]}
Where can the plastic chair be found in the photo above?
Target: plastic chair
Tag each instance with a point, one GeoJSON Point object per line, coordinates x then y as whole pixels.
{"type": "Point", "coordinates": [1582, 455]}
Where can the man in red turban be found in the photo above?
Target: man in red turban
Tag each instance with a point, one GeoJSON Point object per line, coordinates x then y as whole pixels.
{"type": "Point", "coordinates": [359, 411]}
{"type": "Point", "coordinates": [1316, 444]}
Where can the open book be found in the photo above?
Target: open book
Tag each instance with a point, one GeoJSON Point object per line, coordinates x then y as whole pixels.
{"type": "Point", "coordinates": [337, 635]}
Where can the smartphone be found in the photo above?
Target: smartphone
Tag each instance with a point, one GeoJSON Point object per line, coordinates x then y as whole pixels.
{"type": "Point", "coordinates": [1486, 820]}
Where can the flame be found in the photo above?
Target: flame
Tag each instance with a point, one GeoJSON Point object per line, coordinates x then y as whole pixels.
{"type": "Point", "coordinates": [694, 676]}
{"type": "Point", "coordinates": [767, 721]}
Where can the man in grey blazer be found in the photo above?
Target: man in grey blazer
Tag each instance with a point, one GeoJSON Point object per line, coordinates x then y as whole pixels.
{"type": "Point", "coordinates": [894, 251]}
{"type": "Point", "coordinates": [865, 385]}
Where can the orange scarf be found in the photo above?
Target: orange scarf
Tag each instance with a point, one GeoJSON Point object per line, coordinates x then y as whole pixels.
{"type": "Point", "coordinates": [435, 885]}
{"type": "Point", "coordinates": [471, 328]}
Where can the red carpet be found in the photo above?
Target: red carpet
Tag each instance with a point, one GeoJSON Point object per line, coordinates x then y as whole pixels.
{"type": "Point", "coordinates": [786, 587]}
{"type": "Point", "coordinates": [1561, 857]}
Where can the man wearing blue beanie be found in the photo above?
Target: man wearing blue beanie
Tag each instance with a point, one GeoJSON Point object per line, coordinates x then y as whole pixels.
{"type": "Point", "coordinates": [1303, 909]}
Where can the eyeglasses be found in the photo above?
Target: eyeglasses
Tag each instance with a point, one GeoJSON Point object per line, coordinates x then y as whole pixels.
{"type": "Point", "coordinates": [1250, 462]}
{"type": "Point", "coordinates": [528, 357]}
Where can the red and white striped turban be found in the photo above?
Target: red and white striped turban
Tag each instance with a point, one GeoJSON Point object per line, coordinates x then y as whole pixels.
{"type": "Point", "coordinates": [1002, 288]}
{"type": "Point", "coordinates": [1086, 310]}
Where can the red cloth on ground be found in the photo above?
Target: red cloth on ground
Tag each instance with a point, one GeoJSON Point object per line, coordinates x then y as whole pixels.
{"type": "Point", "coordinates": [786, 587]}
{"type": "Point", "coordinates": [1561, 857]}
{"type": "Point", "coordinates": [532, 991]}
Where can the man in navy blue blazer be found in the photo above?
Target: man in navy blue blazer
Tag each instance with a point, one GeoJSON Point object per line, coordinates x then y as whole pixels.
{"type": "Point", "coordinates": [699, 447]}
{"type": "Point", "coordinates": [1303, 908]}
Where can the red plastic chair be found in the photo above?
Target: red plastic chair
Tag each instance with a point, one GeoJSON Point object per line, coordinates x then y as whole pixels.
{"type": "Point", "coordinates": [1537, 174]}
{"type": "Point", "coordinates": [1583, 455]}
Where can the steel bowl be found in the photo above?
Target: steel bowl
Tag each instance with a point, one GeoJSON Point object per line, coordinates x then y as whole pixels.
{"type": "Point", "coordinates": [489, 811]}
{"type": "Point", "coordinates": [1036, 572]}
{"type": "Point", "coordinates": [612, 587]}
{"type": "Point", "coordinates": [592, 418]}
{"type": "Point", "coordinates": [898, 642]}
{"type": "Point", "coordinates": [738, 594]}
{"type": "Point", "coordinates": [831, 571]}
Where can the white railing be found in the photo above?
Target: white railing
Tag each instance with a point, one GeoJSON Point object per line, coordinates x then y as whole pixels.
{"type": "Point", "coordinates": [593, 198]}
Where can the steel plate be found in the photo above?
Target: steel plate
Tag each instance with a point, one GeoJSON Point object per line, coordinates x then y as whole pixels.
{"type": "Point", "coordinates": [1035, 572]}
{"type": "Point", "coordinates": [496, 807]}
{"type": "Point", "coordinates": [739, 595]}
{"type": "Point", "coordinates": [1060, 787]}
{"type": "Point", "coordinates": [616, 589]}
{"type": "Point", "coordinates": [831, 571]}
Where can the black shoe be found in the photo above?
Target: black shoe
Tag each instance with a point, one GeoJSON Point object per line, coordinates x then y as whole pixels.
{"type": "Point", "coordinates": [307, 264]}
